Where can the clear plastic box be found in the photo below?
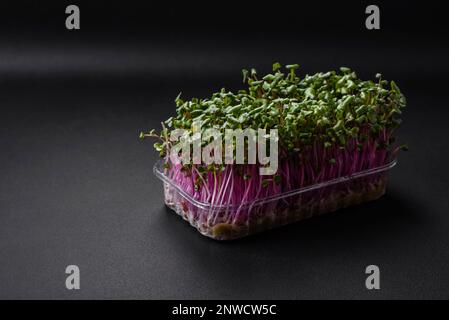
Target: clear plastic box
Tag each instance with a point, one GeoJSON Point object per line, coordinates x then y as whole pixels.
{"type": "Point", "coordinates": [220, 223]}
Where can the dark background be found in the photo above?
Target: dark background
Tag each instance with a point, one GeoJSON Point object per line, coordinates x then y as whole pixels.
{"type": "Point", "coordinates": [76, 184]}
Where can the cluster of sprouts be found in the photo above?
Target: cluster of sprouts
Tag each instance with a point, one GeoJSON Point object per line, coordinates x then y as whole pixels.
{"type": "Point", "coordinates": [329, 125]}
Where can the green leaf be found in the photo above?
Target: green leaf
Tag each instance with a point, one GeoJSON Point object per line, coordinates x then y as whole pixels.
{"type": "Point", "coordinates": [253, 72]}
{"type": "Point", "coordinates": [292, 66]}
{"type": "Point", "coordinates": [245, 75]}
{"type": "Point", "coordinates": [277, 179]}
{"type": "Point", "coordinates": [178, 100]}
{"type": "Point", "coordinates": [265, 183]}
{"type": "Point", "coordinates": [339, 125]}
{"type": "Point", "coordinates": [276, 66]}
{"type": "Point", "coordinates": [158, 146]}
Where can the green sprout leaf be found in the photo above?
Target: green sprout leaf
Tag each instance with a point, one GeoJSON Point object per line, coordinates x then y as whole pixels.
{"type": "Point", "coordinates": [330, 112]}
{"type": "Point", "coordinates": [276, 66]}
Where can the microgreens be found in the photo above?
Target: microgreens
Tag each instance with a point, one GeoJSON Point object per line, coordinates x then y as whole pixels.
{"type": "Point", "coordinates": [324, 108]}
{"type": "Point", "coordinates": [329, 124]}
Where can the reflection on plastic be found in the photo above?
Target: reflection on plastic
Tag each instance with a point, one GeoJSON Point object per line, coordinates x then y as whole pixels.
{"type": "Point", "coordinates": [232, 222]}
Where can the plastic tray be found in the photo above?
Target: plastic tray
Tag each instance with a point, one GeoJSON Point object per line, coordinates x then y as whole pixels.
{"type": "Point", "coordinates": [217, 222]}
